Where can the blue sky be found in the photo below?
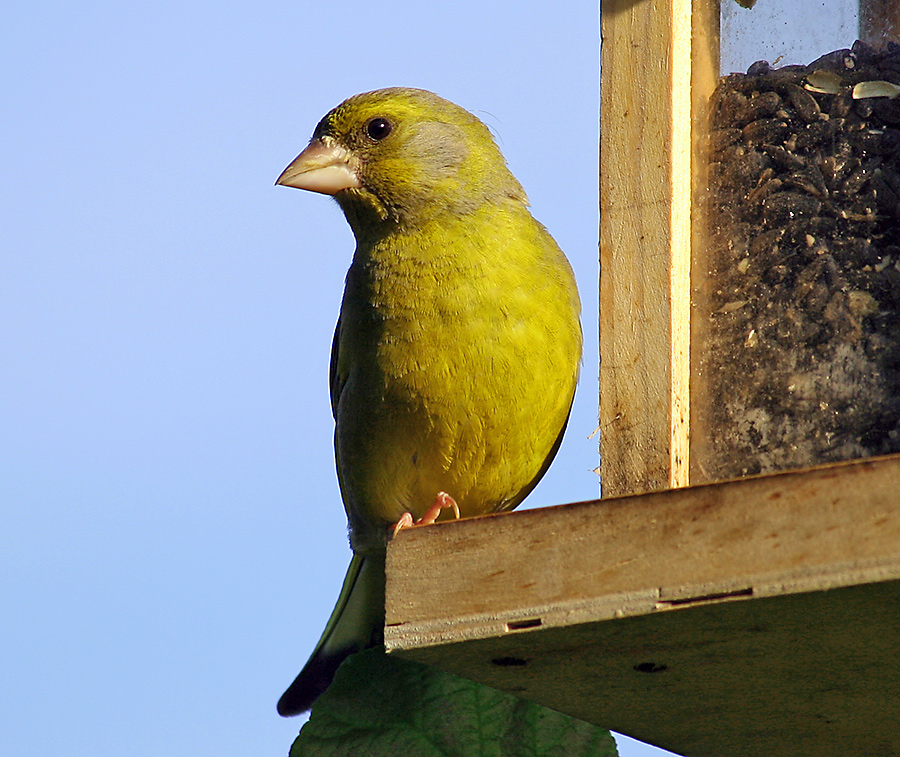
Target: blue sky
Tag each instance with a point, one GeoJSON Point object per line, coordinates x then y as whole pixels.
{"type": "Point", "coordinates": [171, 534]}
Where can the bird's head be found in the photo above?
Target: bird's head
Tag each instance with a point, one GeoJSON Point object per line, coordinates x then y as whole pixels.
{"type": "Point", "coordinates": [401, 157]}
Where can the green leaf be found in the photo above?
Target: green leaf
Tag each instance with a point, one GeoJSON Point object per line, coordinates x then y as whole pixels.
{"type": "Point", "coordinates": [382, 705]}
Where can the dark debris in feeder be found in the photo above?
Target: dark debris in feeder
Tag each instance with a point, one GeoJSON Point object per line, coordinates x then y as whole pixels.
{"type": "Point", "coordinates": [801, 319]}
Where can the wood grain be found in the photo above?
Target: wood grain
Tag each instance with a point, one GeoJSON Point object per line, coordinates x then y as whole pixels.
{"type": "Point", "coordinates": [655, 73]}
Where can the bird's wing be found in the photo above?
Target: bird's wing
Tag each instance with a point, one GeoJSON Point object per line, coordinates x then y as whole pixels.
{"type": "Point", "coordinates": [337, 378]}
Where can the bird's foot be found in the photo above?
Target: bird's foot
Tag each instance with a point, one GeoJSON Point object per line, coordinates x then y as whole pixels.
{"type": "Point", "coordinates": [442, 501]}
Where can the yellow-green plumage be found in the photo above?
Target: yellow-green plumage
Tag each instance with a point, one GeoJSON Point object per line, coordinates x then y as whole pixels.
{"type": "Point", "coordinates": [457, 349]}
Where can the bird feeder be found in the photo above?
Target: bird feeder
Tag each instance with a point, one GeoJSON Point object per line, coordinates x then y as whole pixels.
{"type": "Point", "coordinates": [749, 322]}
{"type": "Point", "coordinates": [750, 238]}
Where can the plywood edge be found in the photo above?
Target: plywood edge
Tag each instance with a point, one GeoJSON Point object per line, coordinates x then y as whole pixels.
{"type": "Point", "coordinates": [401, 636]}
{"type": "Point", "coordinates": [796, 532]}
{"type": "Point", "coordinates": [680, 235]}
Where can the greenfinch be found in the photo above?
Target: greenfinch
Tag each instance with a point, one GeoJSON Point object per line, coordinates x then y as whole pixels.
{"type": "Point", "coordinates": [458, 345]}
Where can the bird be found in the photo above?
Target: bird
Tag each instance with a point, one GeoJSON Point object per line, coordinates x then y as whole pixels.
{"type": "Point", "coordinates": [458, 345]}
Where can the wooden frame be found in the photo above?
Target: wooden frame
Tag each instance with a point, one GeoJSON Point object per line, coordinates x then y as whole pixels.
{"type": "Point", "coordinates": [660, 65]}
{"type": "Point", "coordinates": [660, 61]}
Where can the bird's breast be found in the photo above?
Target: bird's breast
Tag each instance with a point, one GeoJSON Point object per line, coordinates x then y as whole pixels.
{"type": "Point", "coordinates": [460, 370]}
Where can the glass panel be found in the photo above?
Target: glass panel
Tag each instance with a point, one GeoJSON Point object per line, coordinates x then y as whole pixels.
{"type": "Point", "coordinates": [796, 323]}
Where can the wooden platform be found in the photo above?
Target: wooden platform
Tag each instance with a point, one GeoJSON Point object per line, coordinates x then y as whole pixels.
{"type": "Point", "coordinates": [753, 617]}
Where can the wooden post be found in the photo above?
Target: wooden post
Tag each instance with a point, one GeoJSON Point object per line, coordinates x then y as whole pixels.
{"type": "Point", "coordinates": [879, 22]}
{"type": "Point", "coordinates": [659, 61]}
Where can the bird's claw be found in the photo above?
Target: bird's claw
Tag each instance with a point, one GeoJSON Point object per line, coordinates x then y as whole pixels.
{"type": "Point", "coordinates": [442, 501]}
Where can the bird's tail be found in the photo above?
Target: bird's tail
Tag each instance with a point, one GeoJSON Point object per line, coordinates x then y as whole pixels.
{"type": "Point", "coordinates": [356, 623]}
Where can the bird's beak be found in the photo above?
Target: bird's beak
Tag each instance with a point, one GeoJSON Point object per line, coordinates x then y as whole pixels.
{"type": "Point", "coordinates": [322, 167]}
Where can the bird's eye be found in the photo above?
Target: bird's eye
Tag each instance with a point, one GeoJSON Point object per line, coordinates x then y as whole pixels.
{"type": "Point", "coordinates": [378, 128]}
